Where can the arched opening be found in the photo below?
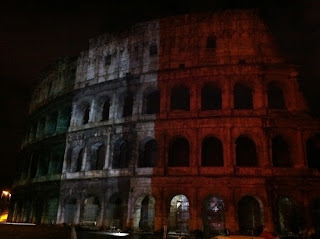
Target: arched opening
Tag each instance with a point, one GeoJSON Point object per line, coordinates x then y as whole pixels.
{"type": "Point", "coordinates": [144, 213]}
{"type": "Point", "coordinates": [275, 97]}
{"type": "Point", "coordinates": [52, 123]}
{"type": "Point", "coordinates": [91, 210]}
{"type": "Point", "coordinates": [79, 161]}
{"type": "Point", "coordinates": [127, 105]}
{"type": "Point", "coordinates": [313, 152]}
{"type": "Point", "coordinates": [148, 154]}
{"type": "Point", "coordinates": [179, 216]}
{"type": "Point", "coordinates": [42, 126]}
{"type": "Point", "coordinates": [34, 165]}
{"type": "Point", "coordinates": [242, 96]}
{"type": "Point", "coordinates": [213, 216]}
{"type": "Point", "coordinates": [121, 157]}
{"type": "Point", "coordinates": [69, 160]}
{"type": "Point", "coordinates": [246, 152]}
{"type": "Point", "coordinates": [178, 153]}
{"type": "Point", "coordinates": [101, 157]}
{"type": "Point", "coordinates": [86, 113]}
{"type": "Point", "coordinates": [151, 102]}
{"type": "Point", "coordinates": [51, 211]}
{"type": "Point", "coordinates": [250, 216]}
{"type": "Point", "coordinates": [180, 98]}
{"type": "Point", "coordinates": [211, 97]}
{"type": "Point", "coordinates": [289, 217]}
{"type": "Point", "coordinates": [116, 210]}
{"type": "Point", "coordinates": [105, 110]}
{"type": "Point", "coordinates": [70, 210]}
{"type": "Point", "coordinates": [280, 152]}
{"type": "Point", "coordinates": [212, 152]}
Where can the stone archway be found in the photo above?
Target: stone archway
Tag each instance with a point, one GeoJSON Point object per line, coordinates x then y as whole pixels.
{"type": "Point", "coordinates": [144, 213]}
{"type": "Point", "coordinates": [179, 215]}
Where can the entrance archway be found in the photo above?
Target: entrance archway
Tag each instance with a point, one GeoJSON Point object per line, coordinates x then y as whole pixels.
{"type": "Point", "coordinates": [213, 216]}
{"type": "Point", "coordinates": [144, 213]}
{"type": "Point", "coordinates": [178, 220]}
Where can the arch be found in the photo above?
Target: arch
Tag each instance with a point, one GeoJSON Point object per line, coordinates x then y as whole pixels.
{"type": "Point", "coordinates": [52, 123]}
{"type": "Point", "coordinates": [97, 159]}
{"type": "Point", "coordinates": [250, 216]}
{"type": "Point", "coordinates": [178, 152]}
{"type": "Point", "coordinates": [213, 216]}
{"type": "Point", "coordinates": [121, 155]}
{"type": "Point", "coordinates": [64, 119]}
{"type": "Point", "coordinates": [69, 160]}
{"type": "Point", "coordinates": [51, 210]}
{"type": "Point", "coordinates": [180, 98]}
{"type": "Point", "coordinates": [211, 152]}
{"type": "Point", "coordinates": [42, 126]}
{"type": "Point", "coordinates": [246, 152]}
{"type": "Point", "coordinates": [86, 114]}
{"type": "Point", "coordinates": [148, 156]}
{"type": "Point", "coordinates": [144, 213]}
{"type": "Point", "coordinates": [105, 110]}
{"type": "Point", "coordinates": [70, 210]}
{"type": "Point", "coordinates": [91, 210]}
{"type": "Point", "coordinates": [313, 152]}
{"type": "Point", "coordinates": [79, 161]}
{"type": "Point", "coordinates": [289, 217]}
{"type": "Point", "coordinates": [211, 98]}
{"type": "Point", "coordinates": [179, 215]}
{"type": "Point", "coordinates": [242, 96]}
{"type": "Point", "coordinates": [275, 97]}
{"type": "Point", "coordinates": [116, 211]}
{"type": "Point", "coordinates": [280, 152]}
{"type": "Point", "coordinates": [151, 102]}
{"type": "Point", "coordinates": [127, 106]}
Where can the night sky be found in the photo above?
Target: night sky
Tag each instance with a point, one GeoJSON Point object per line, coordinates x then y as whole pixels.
{"type": "Point", "coordinates": [33, 35]}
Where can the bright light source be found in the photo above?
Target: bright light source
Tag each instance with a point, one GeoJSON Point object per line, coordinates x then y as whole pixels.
{"type": "Point", "coordinates": [5, 194]}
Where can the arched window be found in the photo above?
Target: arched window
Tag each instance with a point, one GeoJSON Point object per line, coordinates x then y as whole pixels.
{"type": "Point", "coordinates": [148, 154]}
{"type": "Point", "coordinates": [178, 153]}
{"type": "Point", "coordinates": [275, 97]}
{"type": "Point", "coordinates": [280, 152]}
{"type": "Point", "coordinates": [42, 125]}
{"type": "Point", "coordinates": [52, 123]}
{"type": "Point", "coordinates": [242, 96]}
{"type": "Point", "coordinates": [121, 155]}
{"type": "Point", "coordinates": [180, 98]}
{"type": "Point", "coordinates": [246, 152]}
{"type": "Point", "coordinates": [127, 105]}
{"type": "Point", "coordinates": [212, 152]}
{"type": "Point", "coordinates": [105, 110]}
{"type": "Point", "coordinates": [69, 160]}
{"type": "Point", "coordinates": [250, 216]}
{"type": "Point", "coordinates": [86, 112]}
{"type": "Point", "coordinates": [210, 97]}
{"type": "Point", "coordinates": [152, 102]}
{"type": "Point", "coordinates": [313, 152]}
{"type": "Point", "coordinates": [101, 157]}
{"type": "Point", "coordinates": [79, 160]}
{"type": "Point", "coordinates": [213, 216]}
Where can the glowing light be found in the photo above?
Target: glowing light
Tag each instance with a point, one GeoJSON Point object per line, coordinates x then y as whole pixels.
{"type": "Point", "coordinates": [5, 194]}
{"type": "Point", "coordinates": [3, 217]}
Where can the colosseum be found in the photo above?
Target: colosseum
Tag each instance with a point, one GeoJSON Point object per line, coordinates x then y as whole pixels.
{"type": "Point", "coordinates": [184, 123]}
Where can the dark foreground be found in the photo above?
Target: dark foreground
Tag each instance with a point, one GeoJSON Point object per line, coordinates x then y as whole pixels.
{"type": "Point", "coordinates": [34, 232]}
{"type": "Point", "coordinates": [58, 232]}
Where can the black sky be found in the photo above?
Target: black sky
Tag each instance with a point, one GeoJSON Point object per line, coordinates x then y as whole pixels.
{"type": "Point", "coordinates": [32, 35]}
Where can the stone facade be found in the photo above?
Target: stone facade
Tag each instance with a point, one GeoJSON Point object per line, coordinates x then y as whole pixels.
{"type": "Point", "coordinates": [192, 122]}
